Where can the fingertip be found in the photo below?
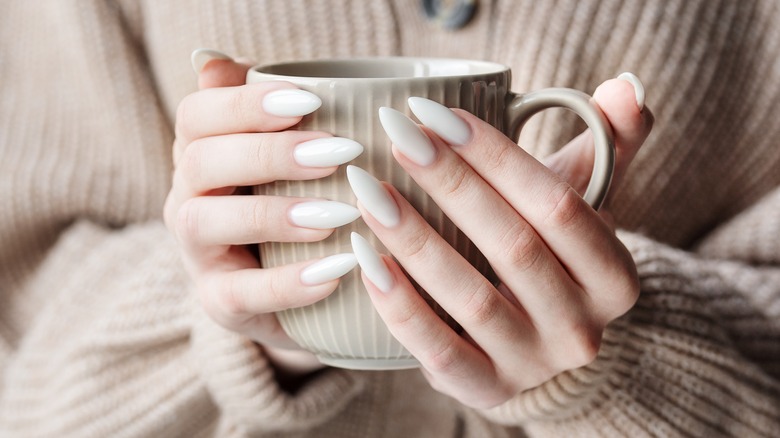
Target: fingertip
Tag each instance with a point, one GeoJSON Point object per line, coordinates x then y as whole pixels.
{"type": "Point", "coordinates": [639, 87]}
{"type": "Point", "coordinates": [617, 98]}
{"type": "Point", "coordinates": [222, 73]}
{"type": "Point", "coordinates": [617, 94]}
{"type": "Point", "coordinates": [202, 56]}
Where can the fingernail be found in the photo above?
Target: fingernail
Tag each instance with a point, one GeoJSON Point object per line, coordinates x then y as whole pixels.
{"type": "Point", "coordinates": [325, 152]}
{"type": "Point", "coordinates": [329, 268]}
{"type": "Point", "coordinates": [445, 123]}
{"type": "Point", "coordinates": [407, 136]}
{"type": "Point", "coordinates": [200, 57]}
{"type": "Point", "coordinates": [290, 103]}
{"type": "Point", "coordinates": [371, 263]}
{"type": "Point", "coordinates": [323, 214]}
{"type": "Point", "coordinates": [373, 196]}
{"type": "Point", "coordinates": [639, 89]}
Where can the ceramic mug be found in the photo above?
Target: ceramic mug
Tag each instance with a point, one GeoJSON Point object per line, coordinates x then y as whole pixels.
{"type": "Point", "coordinates": [344, 330]}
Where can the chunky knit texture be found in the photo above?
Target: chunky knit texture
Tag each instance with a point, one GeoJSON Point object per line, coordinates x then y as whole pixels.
{"type": "Point", "coordinates": [99, 335]}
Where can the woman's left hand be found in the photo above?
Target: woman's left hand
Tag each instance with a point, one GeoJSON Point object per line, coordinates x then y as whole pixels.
{"type": "Point", "coordinates": [563, 273]}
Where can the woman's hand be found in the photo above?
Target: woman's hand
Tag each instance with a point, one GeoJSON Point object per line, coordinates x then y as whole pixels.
{"type": "Point", "coordinates": [564, 275]}
{"type": "Point", "coordinates": [228, 136]}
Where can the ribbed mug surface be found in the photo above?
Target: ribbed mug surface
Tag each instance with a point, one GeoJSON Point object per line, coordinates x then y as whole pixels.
{"type": "Point", "coordinates": [344, 329]}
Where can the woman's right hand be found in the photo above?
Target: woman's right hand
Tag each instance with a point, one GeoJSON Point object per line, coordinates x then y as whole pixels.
{"type": "Point", "coordinates": [229, 136]}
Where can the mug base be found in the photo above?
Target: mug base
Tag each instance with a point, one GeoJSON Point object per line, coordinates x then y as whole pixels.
{"type": "Point", "coordinates": [370, 364]}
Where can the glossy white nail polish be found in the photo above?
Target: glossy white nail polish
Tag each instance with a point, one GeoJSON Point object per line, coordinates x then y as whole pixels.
{"type": "Point", "coordinates": [329, 268]}
{"type": "Point", "coordinates": [373, 196]}
{"type": "Point", "coordinates": [639, 88]}
{"type": "Point", "coordinates": [323, 214]}
{"type": "Point", "coordinates": [200, 57]}
{"type": "Point", "coordinates": [290, 103]}
{"type": "Point", "coordinates": [407, 136]}
{"type": "Point", "coordinates": [441, 120]}
{"type": "Point", "coordinates": [325, 152]}
{"type": "Point", "coordinates": [371, 263]}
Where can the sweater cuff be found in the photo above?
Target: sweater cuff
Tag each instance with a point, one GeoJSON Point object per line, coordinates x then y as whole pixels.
{"type": "Point", "coordinates": [242, 383]}
{"type": "Point", "coordinates": [670, 361]}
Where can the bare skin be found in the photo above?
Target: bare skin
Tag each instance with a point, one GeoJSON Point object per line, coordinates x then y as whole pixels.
{"type": "Point", "coordinates": [564, 274]}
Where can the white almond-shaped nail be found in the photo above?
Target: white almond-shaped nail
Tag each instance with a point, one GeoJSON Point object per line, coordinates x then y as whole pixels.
{"type": "Point", "coordinates": [323, 214]}
{"type": "Point", "coordinates": [445, 123]}
{"type": "Point", "coordinates": [200, 57]}
{"type": "Point", "coordinates": [290, 103]}
{"type": "Point", "coordinates": [329, 268]}
{"type": "Point", "coordinates": [373, 196]}
{"type": "Point", "coordinates": [639, 88]}
{"type": "Point", "coordinates": [326, 152]}
{"type": "Point", "coordinates": [371, 263]}
{"type": "Point", "coordinates": [407, 136]}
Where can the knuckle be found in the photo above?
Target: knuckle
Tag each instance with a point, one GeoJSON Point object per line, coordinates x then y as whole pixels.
{"type": "Point", "coordinates": [455, 182]}
{"type": "Point", "coordinates": [182, 128]}
{"type": "Point", "coordinates": [208, 304]}
{"type": "Point", "coordinates": [169, 213]}
{"type": "Point", "coordinates": [270, 156]}
{"type": "Point", "coordinates": [188, 221]}
{"type": "Point", "coordinates": [443, 360]}
{"type": "Point", "coordinates": [255, 215]}
{"type": "Point", "coordinates": [628, 290]}
{"type": "Point", "coordinates": [482, 306]}
{"type": "Point", "coordinates": [403, 317]}
{"type": "Point", "coordinates": [435, 382]}
{"type": "Point", "coordinates": [565, 205]}
{"type": "Point", "coordinates": [624, 288]}
{"type": "Point", "coordinates": [190, 164]}
{"type": "Point", "coordinates": [526, 248]}
{"type": "Point", "coordinates": [415, 244]}
{"type": "Point", "coordinates": [229, 300]}
{"type": "Point", "coordinates": [261, 156]}
{"type": "Point", "coordinates": [496, 158]}
{"type": "Point", "coordinates": [244, 102]}
{"type": "Point", "coordinates": [498, 395]}
{"type": "Point", "coordinates": [583, 346]}
{"type": "Point", "coordinates": [277, 294]}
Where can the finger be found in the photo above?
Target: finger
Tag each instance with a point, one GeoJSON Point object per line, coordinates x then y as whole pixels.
{"type": "Point", "coordinates": [234, 297]}
{"type": "Point", "coordinates": [237, 220]}
{"type": "Point", "coordinates": [631, 128]}
{"type": "Point", "coordinates": [214, 69]}
{"type": "Point", "coordinates": [222, 73]}
{"type": "Point", "coordinates": [514, 249]}
{"type": "Point", "coordinates": [261, 107]}
{"type": "Point", "coordinates": [548, 332]}
{"type": "Point", "coordinates": [575, 233]}
{"type": "Point", "coordinates": [456, 365]}
{"type": "Point", "coordinates": [495, 323]}
{"type": "Point", "coordinates": [254, 159]}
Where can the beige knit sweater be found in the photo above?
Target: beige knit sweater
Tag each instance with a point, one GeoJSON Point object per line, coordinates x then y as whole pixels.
{"type": "Point", "coordinates": [99, 336]}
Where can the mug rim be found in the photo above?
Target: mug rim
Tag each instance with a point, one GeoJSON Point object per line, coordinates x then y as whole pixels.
{"type": "Point", "coordinates": [487, 68]}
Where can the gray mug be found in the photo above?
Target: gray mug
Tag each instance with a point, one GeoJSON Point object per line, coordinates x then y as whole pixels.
{"type": "Point", "coordinates": [344, 330]}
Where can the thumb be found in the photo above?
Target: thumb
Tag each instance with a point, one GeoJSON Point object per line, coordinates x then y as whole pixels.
{"type": "Point", "coordinates": [216, 69]}
{"type": "Point", "coordinates": [631, 123]}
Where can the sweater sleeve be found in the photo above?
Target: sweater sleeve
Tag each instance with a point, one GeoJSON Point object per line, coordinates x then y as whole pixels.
{"type": "Point", "coordinates": [241, 381]}
{"type": "Point", "coordinates": [697, 356]}
{"type": "Point", "coordinates": [117, 344]}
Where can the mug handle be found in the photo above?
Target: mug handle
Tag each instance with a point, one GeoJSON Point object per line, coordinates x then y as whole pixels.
{"type": "Point", "coordinates": [522, 106]}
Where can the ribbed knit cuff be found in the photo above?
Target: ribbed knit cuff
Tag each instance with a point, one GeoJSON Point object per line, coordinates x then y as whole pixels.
{"type": "Point", "coordinates": [242, 383]}
{"type": "Point", "coordinates": [671, 366]}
